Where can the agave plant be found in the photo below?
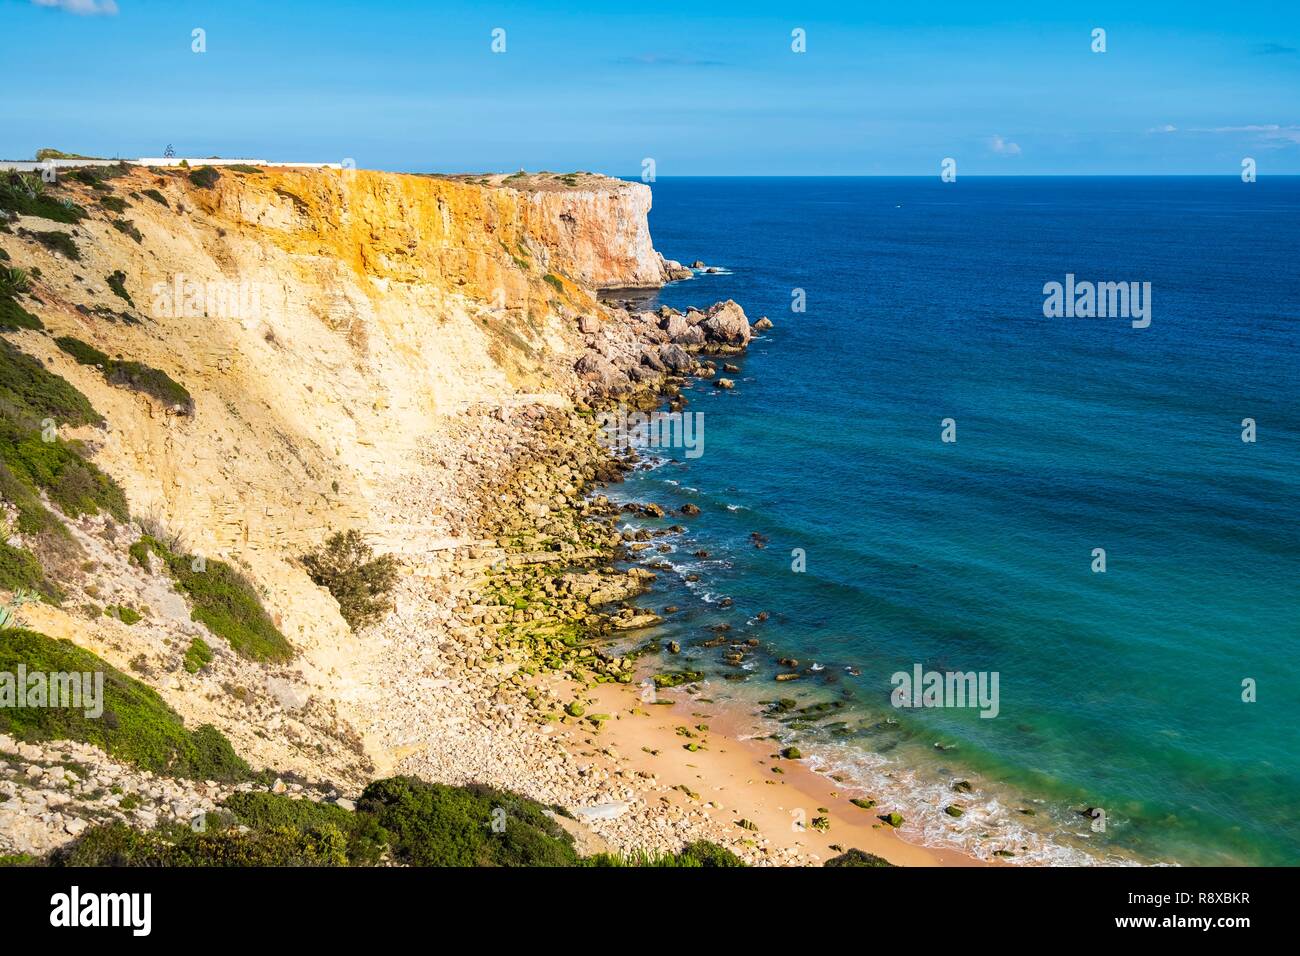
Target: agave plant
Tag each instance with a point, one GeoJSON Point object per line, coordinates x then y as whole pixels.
{"type": "Point", "coordinates": [24, 596]}
{"type": "Point", "coordinates": [8, 619]}
{"type": "Point", "coordinates": [14, 280]}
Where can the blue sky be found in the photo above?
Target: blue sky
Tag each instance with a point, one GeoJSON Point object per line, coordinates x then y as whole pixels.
{"type": "Point", "coordinates": [704, 88]}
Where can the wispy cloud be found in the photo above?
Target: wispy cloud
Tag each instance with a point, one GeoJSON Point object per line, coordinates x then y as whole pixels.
{"type": "Point", "coordinates": [662, 59]}
{"type": "Point", "coordinates": [1003, 148]}
{"type": "Point", "coordinates": [1167, 128]}
{"type": "Point", "coordinates": [82, 8]}
{"type": "Point", "coordinates": [1274, 49]}
{"type": "Point", "coordinates": [1268, 134]}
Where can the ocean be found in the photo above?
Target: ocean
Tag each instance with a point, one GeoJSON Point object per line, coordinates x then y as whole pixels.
{"type": "Point", "coordinates": [1149, 712]}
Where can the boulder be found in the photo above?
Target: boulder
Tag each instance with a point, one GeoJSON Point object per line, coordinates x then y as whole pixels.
{"type": "Point", "coordinates": [763, 324]}
{"type": "Point", "coordinates": [725, 323]}
{"type": "Point", "coordinates": [675, 358]}
{"type": "Point", "coordinates": [589, 325]}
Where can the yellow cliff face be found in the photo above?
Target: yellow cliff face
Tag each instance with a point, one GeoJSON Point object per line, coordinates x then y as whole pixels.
{"type": "Point", "coordinates": [329, 325]}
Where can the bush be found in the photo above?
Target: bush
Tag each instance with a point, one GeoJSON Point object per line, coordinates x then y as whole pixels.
{"type": "Point", "coordinates": [198, 655]}
{"type": "Point", "coordinates": [24, 194]}
{"type": "Point", "coordinates": [366, 839]}
{"type": "Point", "coordinates": [360, 583]}
{"type": "Point", "coordinates": [435, 825]}
{"type": "Point", "coordinates": [116, 844]}
{"type": "Point", "coordinates": [19, 570]}
{"type": "Point", "coordinates": [205, 177]}
{"type": "Point", "coordinates": [14, 281]}
{"type": "Point", "coordinates": [133, 375]}
{"type": "Point", "coordinates": [127, 227]}
{"type": "Point", "coordinates": [14, 317]}
{"type": "Point", "coordinates": [75, 484]}
{"type": "Point", "coordinates": [117, 282]}
{"type": "Point", "coordinates": [701, 853]}
{"type": "Point", "coordinates": [857, 858]}
{"type": "Point", "coordinates": [30, 393]}
{"type": "Point", "coordinates": [223, 600]}
{"type": "Point", "coordinates": [156, 196]}
{"type": "Point", "coordinates": [113, 203]}
{"type": "Point", "coordinates": [136, 726]}
{"type": "Point", "coordinates": [56, 241]}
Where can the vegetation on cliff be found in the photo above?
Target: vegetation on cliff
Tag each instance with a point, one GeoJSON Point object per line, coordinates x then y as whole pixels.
{"type": "Point", "coordinates": [136, 725]}
{"type": "Point", "coordinates": [130, 374]}
{"type": "Point", "coordinates": [400, 820]}
{"type": "Point", "coordinates": [223, 599]}
{"type": "Point", "coordinates": [360, 582]}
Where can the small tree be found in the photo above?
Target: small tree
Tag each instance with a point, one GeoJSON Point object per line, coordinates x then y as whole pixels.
{"type": "Point", "coordinates": [359, 582]}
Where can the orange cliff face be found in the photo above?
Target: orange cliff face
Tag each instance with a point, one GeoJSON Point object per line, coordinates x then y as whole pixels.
{"type": "Point", "coordinates": [476, 234]}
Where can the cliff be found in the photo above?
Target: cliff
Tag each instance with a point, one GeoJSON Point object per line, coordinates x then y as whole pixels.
{"type": "Point", "coordinates": [332, 328]}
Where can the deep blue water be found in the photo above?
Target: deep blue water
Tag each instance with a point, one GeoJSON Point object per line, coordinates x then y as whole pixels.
{"type": "Point", "coordinates": [1120, 690]}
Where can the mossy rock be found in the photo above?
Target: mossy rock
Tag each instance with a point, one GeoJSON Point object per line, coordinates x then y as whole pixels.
{"type": "Point", "coordinates": [893, 819]}
{"type": "Point", "coordinates": [857, 857]}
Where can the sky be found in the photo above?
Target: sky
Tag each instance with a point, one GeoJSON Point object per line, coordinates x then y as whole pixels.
{"type": "Point", "coordinates": [701, 88]}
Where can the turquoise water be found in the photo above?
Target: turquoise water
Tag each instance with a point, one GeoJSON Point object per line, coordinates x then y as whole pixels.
{"type": "Point", "coordinates": [1120, 690]}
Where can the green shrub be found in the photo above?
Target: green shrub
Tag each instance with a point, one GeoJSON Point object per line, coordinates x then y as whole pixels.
{"type": "Point", "coordinates": [359, 582]}
{"type": "Point", "coordinates": [701, 853]}
{"type": "Point", "coordinates": [19, 570]}
{"type": "Point", "coordinates": [74, 483]}
{"type": "Point", "coordinates": [127, 227]}
{"type": "Point", "coordinates": [136, 726]}
{"type": "Point", "coordinates": [205, 177]}
{"type": "Point", "coordinates": [857, 858]}
{"type": "Point", "coordinates": [116, 844]}
{"type": "Point", "coordinates": [554, 281]}
{"type": "Point", "coordinates": [113, 203]}
{"type": "Point", "coordinates": [242, 168]}
{"type": "Point", "coordinates": [435, 825]}
{"type": "Point", "coordinates": [56, 241]}
{"type": "Point", "coordinates": [127, 615]}
{"type": "Point", "coordinates": [14, 317]}
{"type": "Point", "coordinates": [133, 375]}
{"type": "Point", "coordinates": [30, 393]}
{"type": "Point", "coordinates": [366, 839]}
{"type": "Point", "coordinates": [223, 600]}
{"type": "Point", "coordinates": [117, 282]}
{"type": "Point", "coordinates": [156, 196]}
{"type": "Point", "coordinates": [25, 195]}
{"type": "Point", "coordinates": [198, 655]}
{"type": "Point", "coordinates": [14, 281]}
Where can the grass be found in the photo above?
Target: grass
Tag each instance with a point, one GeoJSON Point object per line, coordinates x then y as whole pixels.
{"type": "Point", "coordinates": [129, 374]}
{"type": "Point", "coordinates": [156, 196]}
{"type": "Point", "coordinates": [127, 615]}
{"type": "Point", "coordinates": [359, 582]}
{"type": "Point", "coordinates": [136, 726]}
{"type": "Point", "coordinates": [223, 600]}
{"type": "Point", "coordinates": [554, 281]}
{"type": "Point", "coordinates": [114, 203]}
{"type": "Point", "coordinates": [198, 655]}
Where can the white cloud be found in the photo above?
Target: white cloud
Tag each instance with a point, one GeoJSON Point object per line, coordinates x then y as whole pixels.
{"type": "Point", "coordinates": [1268, 134]}
{"type": "Point", "coordinates": [1167, 128]}
{"type": "Point", "coordinates": [83, 8]}
{"type": "Point", "coordinates": [1003, 148]}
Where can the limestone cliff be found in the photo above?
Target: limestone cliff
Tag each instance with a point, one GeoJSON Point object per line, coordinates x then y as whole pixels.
{"type": "Point", "coordinates": [332, 327]}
